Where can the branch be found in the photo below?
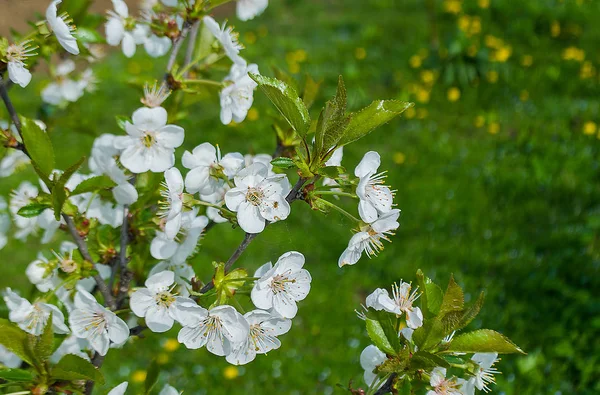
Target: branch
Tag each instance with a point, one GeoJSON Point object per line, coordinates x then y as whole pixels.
{"type": "Point", "coordinates": [295, 194]}
{"type": "Point", "coordinates": [125, 275]}
{"type": "Point", "coordinates": [388, 386]}
{"type": "Point", "coordinates": [176, 47]}
{"type": "Point", "coordinates": [97, 360]}
{"type": "Point", "coordinates": [191, 46]}
{"type": "Point", "coordinates": [108, 298]}
{"type": "Point", "coordinates": [13, 114]}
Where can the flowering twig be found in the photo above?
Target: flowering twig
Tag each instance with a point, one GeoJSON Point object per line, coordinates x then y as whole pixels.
{"type": "Point", "coordinates": [102, 287]}
{"type": "Point", "coordinates": [191, 46]}
{"type": "Point", "coordinates": [176, 47]}
{"type": "Point", "coordinates": [9, 106]}
{"type": "Point", "coordinates": [387, 387]}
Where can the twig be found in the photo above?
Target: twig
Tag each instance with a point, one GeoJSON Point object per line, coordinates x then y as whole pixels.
{"type": "Point", "coordinates": [294, 194]}
{"type": "Point", "coordinates": [191, 46]}
{"type": "Point", "coordinates": [9, 106]}
{"type": "Point", "coordinates": [176, 47]}
{"type": "Point", "coordinates": [125, 275]}
{"type": "Point", "coordinates": [97, 361]}
{"type": "Point", "coordinates": [104, 290]}
{"type": "Point", "coordinates": [388, 386]}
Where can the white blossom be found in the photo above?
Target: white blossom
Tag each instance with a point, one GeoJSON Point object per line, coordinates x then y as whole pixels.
{"type": "Point", "coordinates": [71, 345]}
{"type": "Point", "coordinates": [262, 336]}
{"type": "Point", "coordinates": [258, 197]}
{"type": "Point", "coordinates": [155, 95]}
{"type": "Point", "coordinates": [62, 27]}
{"type": "Point", "coordinates": [401, 302]}
{"type": "Point", "coordinates": [157, 303]}
{"type": "Point", "coordinates": [227, 38]}
{"type": "Point", "coordinates": [248, 9]}
{"type": "Point", "coordinates": [334, 160]}
{"type": "Point", "coordinates": [370, 358]}
{"type": "Point", "coordinates": [172, 204]}
{"type": "Point", "coordinates": [207, 168]}
{"type": "Point", "coordinates": [16, 55]}
{"type": "Point", "coordinates": [4, 223]}
{"type": "Point", "coordinates": [168, 390]}
{"type": "Point", "coordinates": [95, 323]}
{"type": "Point", "coordinates": [443, 386]}
{"type": "Point", "coordinates": [9, 359]}
{"type": "Point", "coordinates": [375, 197]}
{"type": "Point", "coordinates": [63, 89]}
{"type": "Point", "coordinates": [32, 318]}
{"type": "Point", "coordinates": [21, 197]}
{"type": "Point", "coordinates": [484, 375]}
{"type": "Point", "coordinates": [120, 29]}
{"type": "Point", "coordinates": [119, 389]}
{"type": "Point", "coordinates": [265, 159]}
{"type": "Point", "coordinates": [12, 161]}
{"type": "Point", "coordinates": [219, 329]}
{"type": "Point", "coordinates": [150, 144]}
{"type": "Point", "coordinates": [42, 273]}
{"type": "Point", "coordinates": [369, 238]}
{"type": "Point", "coordinates": [238, 95]}
{"type": "Point", "coordinates": [279, 287]}
{"type": "Point", "coordinates": [180, 248]}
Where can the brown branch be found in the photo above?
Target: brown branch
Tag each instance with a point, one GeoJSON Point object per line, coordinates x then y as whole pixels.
{"type": "Point", "coordinates": [97, 361]}
{"type": "Point", "coordinates": [191, 45]}
{"type": "Point", "coordinates": [102, 287]}
{"type": "Point", "coordinates": [125, 274]}
{"type": "Point", "coordinates": [176, 47]}
{"type": "Point", "coordinates": [388, 386]}
{"type": "Point", "coordinates": [9, 106]}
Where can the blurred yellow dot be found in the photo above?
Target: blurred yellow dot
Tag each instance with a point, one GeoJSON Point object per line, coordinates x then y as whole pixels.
{"type": "Point", "coordinates": [501, 54]}
{"type": "Point", "coordinates": [231, 372]}
{"type": "Point", "coordinates": [555, 29]}
{"type": "Point", "coordinates": [589, 128]}
{"type": "Point", "coordinates": [453, 94]}
{"type": "Point", "coordinates": [475, 27]}
{"type": "Point", "coordinates": [479, 121]}
{"type": "Point", "coordinates": [423, 96]}
{"type": "Point", "coordinates": [463, 22]}
{"type": "Point", "coordinates": [301, 55]}
{"type": "Point", "coordinates": [422, 113]}
{"type": "Point", "coordinates": [492, 42]}
{"type": "Point", "coordinates": [360, 53]}
{"type": "Point", "coordinates": [162, 358]}
{"type": "Point", "coordinates": [483, 3]}
{"type": "Point", "coordinates": [524, 96]}
{"type": "Point", "coordinates": [410, 113]}
{"type": "Point", "coordinates": [262, 31]}
{"type": "Point", "coordinates": [573, 53]}
{"type": "Point", "coordinates": [250, 37]}
{"type": "Point", "coordinates": [587, 70]}
{"type": "Point", "coordinates": [134, 67]}
{"type": "Point", "coordinates": [453, 6]}
{"type": "Point", "coordinates": [527, 60]}
{"type": "Point", "coordinates": [492, 76]}
{"type": "Point", "coordinates": [493, 128]}
{"type": "Point", "coordinates": [427, 76]}
{"type": "Point", "coordinates": [399, 158]}
{"type": "Point", "coordinates": [415, 61]}
{"type": "Point", "coordinates": [138, 376]}
{"type": "Point", "coordinates": [171, 345]}
{"type": "Point", "coordinates": [294, 68]}
{"type": "Point", "coordinates": [252, 114]}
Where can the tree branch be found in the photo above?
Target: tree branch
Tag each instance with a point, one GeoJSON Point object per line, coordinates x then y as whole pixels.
{"type": "Point", "coordinates": [97, 361]}
{"type": "Point", "coordinates": [9, 106]}
{"type": "Point", "coordinates": [176, 47]}
{"type": "Point", "coordinates": [104, 290]}
{"type": "Point", "coordinates": [191, 46]}
{"type": "Point", "coordinates": [388, 386]}
{"type": "Point", "coordinates": [125, 275]}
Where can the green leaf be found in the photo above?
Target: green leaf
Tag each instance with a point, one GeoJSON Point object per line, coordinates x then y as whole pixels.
{"type": "Point", "coordinates": [429, 335]}
{"type": "Point", "coordinates": [483, 340]}
{"type": "Point", "coordinates": [456, 320]}
{"type": "Point", "coordinates": [283, 163]}
{"type": "Point", "coordinates": [287, 102]}
{"type": "Point", "coordinates": [151, 376]}
{"type": "Point", "coordinates": [374, 115]}
{"type": "Point", "coordinates": [14, 339]}
{"type": "Point", "coordinates": [71, 367]}
{"type": "Point", "coordinates": [431, 296]}
{"type": "Point", "coordinates": [285, 77]}
{"type": "Point", "coordinates": [427, 361]}
{"type": "Point", "coordinates": [454, 299]}
{"type": "Point", "coordinates": [121, 121]}
{"type": "Point", "coordinates": [16, 375]}
{"type": "Point", "coordinates": [38, 146]}
{"type": "Point", "coordinates": [332, 171]}
{"type": "Point", "coordinates": [59, 194]}
{"type": "Point", "coordinates": [93, 184]}
{"type": "Point", "coordinates": [90, 36]}
{"type": "Point", "coordinates": [44, 343]}
{"type": "Point", "coordinates": [332, 123]}
{"type": "Point", "coordinates": [378, 337]}
{"type": "Point", "coordinates": [32, 210]}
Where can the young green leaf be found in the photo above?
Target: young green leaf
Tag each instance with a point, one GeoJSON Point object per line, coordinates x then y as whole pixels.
{"type": "Point", "coordinates": [44, 343]}
{"type": "Point", "coordinates": [378, 336]}
{"type": "Point", "coordinates": [16, 375]}
{"type": "Point", "coordinates": [38, 145]}
{"type": "Point", "coordinates": [427, 361]}
{"type": "Point", "coordinates": [454, 299]}
{"type": "Point", "coordinates": [151, 376]}
{"type": "Point", "coordinates": [483, 340]}
{"type": "Point", "coordinates": [431, 296]}
{"type": "Point", "coordinates": [59, 195]}
{"type": "Point", "coordinates": [14, 339]}
{"type": "Point", "coordinates": [430, 334]}
{"type": "Point", "coordinates": [93, 184]}
{"type": "Point", "coordinates": [287, 102]}
{"type": "Point", "coordinates": [32, 210]}
{"type": "Point", "coordinates": [332, 123]}
{"type": "Point", "coordinates": [374, 115]}
{"type": "Point", "coordinates": [283, 163]}
{"type": "Point", "coordinates": [71, 367]}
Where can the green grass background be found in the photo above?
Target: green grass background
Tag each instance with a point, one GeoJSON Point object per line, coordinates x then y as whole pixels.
{"type": "Point", "coordinates": [515, 214]}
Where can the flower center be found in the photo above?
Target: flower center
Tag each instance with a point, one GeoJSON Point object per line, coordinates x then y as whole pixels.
{"type": "Point", "coordinates": [164, 299]}
{"type": "Point", "coordinates": [148, 139]}
{"type": "Point", "coordinates": [279, 282]}
{"type": "Point", "coordinates": [255, 196]}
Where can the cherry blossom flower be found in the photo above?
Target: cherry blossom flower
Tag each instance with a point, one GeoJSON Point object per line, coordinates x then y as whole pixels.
{"type": "Point", "coordinates": [63, 89]}
{"type": "Point", "coordinates": [227, 38]}
{"type": "Point", "coordinates": [208, 169]}
{"type": "Point", "coordinates": [265, 159]}
{"type": "Point", "coordinates": [119, 389]}
{"type": "Point", "coordinates": [238, 95]}
{"type": "Point", "coordinates": [9, 359]}
{"type": "Point", "coordinates": [12, 161]}
{"type": "Point", "coordinates": [484, 374]}
{"type": "Point", "coordinates": [20, 198]}
{"type": "Point", "coordinates": [183, 274]}
{"type": "Point", "coordinates": [42, 273]}
{"type": "Point", "coordinates": [4, 223]}
{"type": "Point", "coordinates": [369, 238]}
{"type": "Point", "coordinates": [155, 95]}
{"type": "Point", "coordinates": [150, 144]}
{"type": "Point", "coordinates": [248, 9]}
{"type": "Point", "coordinates": [443, 386]}
{"type": "Point", "coordinates": [16, 55]}
{"type": "Point", "coordinates": [62, 27]}
{"type": "Point", "coordinates": [157, 303]}
{"type": "Point", "coordinates": [192, 226]}
{"type": "Point", "coordinates": [217, 198]}
{"type": "Point", "coordinates": [95, 323]}
{"type": "Point", "coordinates": [262, 336]}
{"type": "Point", "coordinates": [172, 206]}
{"type": "Point", "coordinates": [334, 160]}
{"type": "Point", "coordinates": [401, 302]}
{"type": "Point", "coordinates": [32, 318]}
{"type": "Point", "coordinates": [71, 345]}
{"type": "Point", "coordinates": [370, 358]}
{"type": "Point", "coordinates": [120, 29]}
{"type": "Point", "coordinates": [258, 197]}
{"type": "Point", "coordinates": [279, 287]}
{"type": "Point", "coordinates": [168, 390]}
{"type": "Point", "coordinates": [375, 198]}
{"type": "Point", "coordinates": [218, 328]}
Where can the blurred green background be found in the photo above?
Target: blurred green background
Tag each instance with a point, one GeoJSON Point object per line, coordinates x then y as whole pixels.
{"type": "Point", "coordinates": [496, 170]}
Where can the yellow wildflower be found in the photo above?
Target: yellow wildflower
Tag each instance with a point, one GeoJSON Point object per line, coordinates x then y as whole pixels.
{"type": "Point", "coordinates": [360, 53]}
{"type": "Point", "coordinates": [589, 128]}
{"type": "Point", "coordinates": [493, 128]}
{"type": "Point", "coordinates": [453, 94]}
{"type": "Point", "coordinates": [139, 376]}
{"type": "Point", "coordinates": [231, 372]}
{"type": "Point", "coordinates": [399, 158]}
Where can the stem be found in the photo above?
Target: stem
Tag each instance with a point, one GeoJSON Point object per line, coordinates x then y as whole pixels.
{"type": "Point", "coordinates": [108, 298]}
{"type": "Point", "coordinates": [335, 193]}
{"type": "Point", "coordinates": [13, 114]}
{"type": "Point", "coordinates": [97, 362]}
{"type": "Point", "coordinates": [125, 275]}
{"type": "Point", "coordinates": [388, 386]}
{"type": "Point", "coordinates": [341, 210]}
{"type": "Point", "coordinates": [176, 47]}
{"type": "Point", "coordinates": [203, 82]}
{"type": "Point", "coordinates": [191, 46]}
